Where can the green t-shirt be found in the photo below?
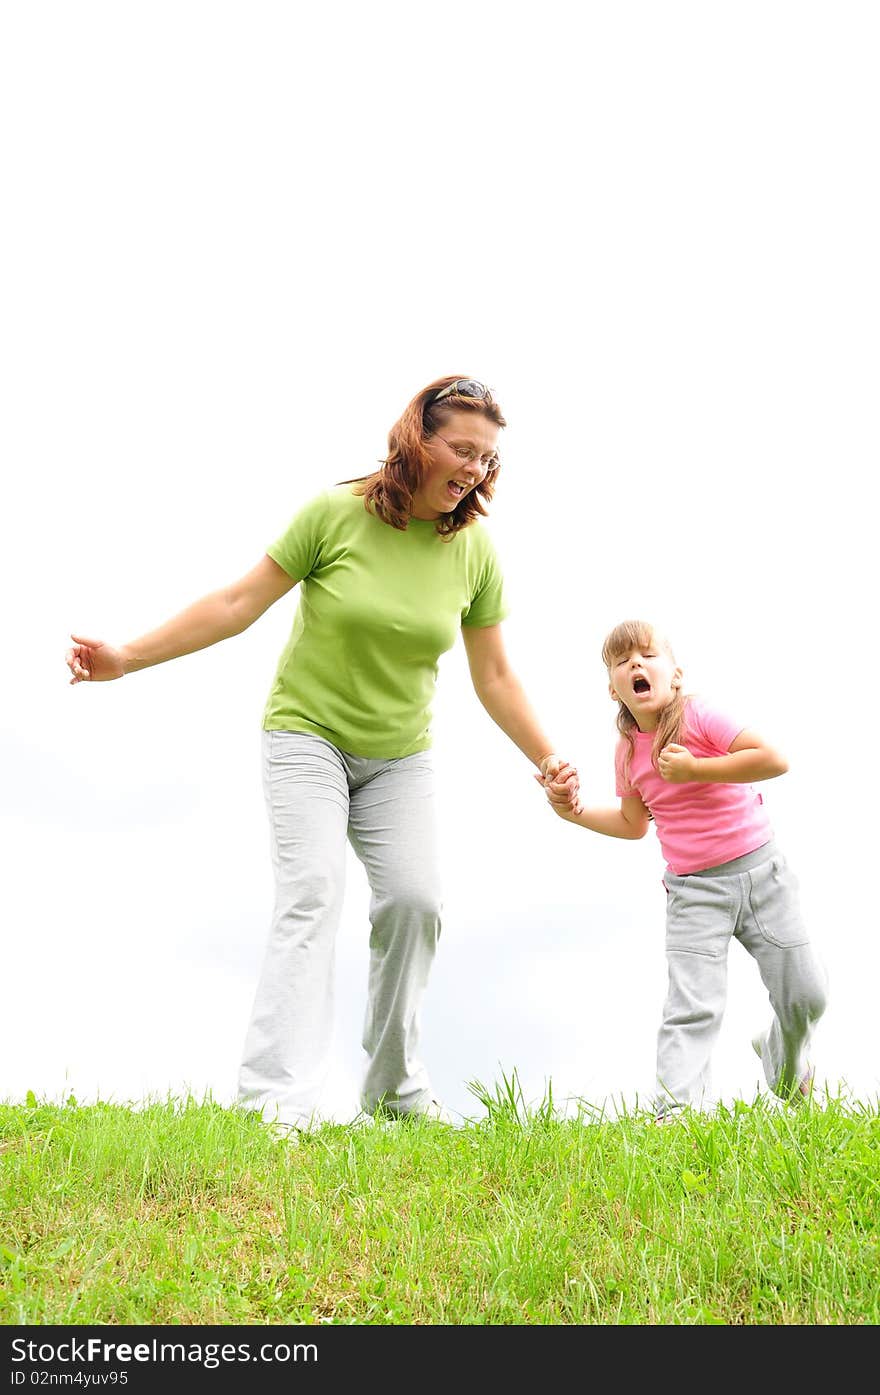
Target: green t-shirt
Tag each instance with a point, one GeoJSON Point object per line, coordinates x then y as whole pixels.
{"type": "Point", "coordinates": [377, 607]}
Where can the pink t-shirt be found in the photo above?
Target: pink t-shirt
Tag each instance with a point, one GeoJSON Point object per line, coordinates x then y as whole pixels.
{"type": "Point", "coordinates": [699, 825]}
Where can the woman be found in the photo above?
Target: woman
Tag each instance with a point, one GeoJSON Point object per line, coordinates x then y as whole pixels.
{"type": "Point", "coordinates": [390, 565]}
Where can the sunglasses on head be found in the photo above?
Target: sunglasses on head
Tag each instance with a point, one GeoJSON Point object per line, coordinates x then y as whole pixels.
{"type": "Point", "coordinates": [463, 387]}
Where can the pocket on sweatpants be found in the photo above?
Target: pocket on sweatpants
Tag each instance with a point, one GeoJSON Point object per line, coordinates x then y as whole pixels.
{"type": "Point", "coordinates": [774, 898]}
{"type": "Point", "coordinates": [698, 917]}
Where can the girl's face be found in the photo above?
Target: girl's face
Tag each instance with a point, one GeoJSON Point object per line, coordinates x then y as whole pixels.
{"type": "Point", "coordinates": [645, 681]}
{"type": "Point", "coordinates": [459, 458]}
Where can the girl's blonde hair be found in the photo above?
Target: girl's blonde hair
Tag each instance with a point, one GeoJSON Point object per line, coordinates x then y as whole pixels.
{"type": "Point", "coordinates": [620, 643]}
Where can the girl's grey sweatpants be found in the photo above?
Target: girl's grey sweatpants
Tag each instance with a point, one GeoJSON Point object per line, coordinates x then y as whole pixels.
{"type": "Point", "coordinates": [753, 899]}
{"type": "Point", "coordinates": [317, 796]}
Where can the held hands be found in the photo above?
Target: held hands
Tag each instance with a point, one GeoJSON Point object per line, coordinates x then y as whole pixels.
{"type": "Point", "coordinates": [551, 765]}
{"type": "Point", "coordinates": [93, 660]}
{"type": "Point", "coordinates": [560, 783]}
{"type": "Point", "coordinates": [676, 764]}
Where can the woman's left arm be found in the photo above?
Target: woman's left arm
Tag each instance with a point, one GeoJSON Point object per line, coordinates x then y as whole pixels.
{"type": "Point", "coordinates": [503, 697]}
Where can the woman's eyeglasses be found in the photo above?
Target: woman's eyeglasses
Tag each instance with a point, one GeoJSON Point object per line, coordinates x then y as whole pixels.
{"type": "Point", "coordinates": [487, 463]}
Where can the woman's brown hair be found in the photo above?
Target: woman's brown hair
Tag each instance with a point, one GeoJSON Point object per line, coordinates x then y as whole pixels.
{"type": "Point", "coordinates": [620, 643]}
{"type": "Point", "coordinates": [388, 492]}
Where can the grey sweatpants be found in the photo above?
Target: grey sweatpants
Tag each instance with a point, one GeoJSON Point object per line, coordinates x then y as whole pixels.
{"type": "Point", "coordinates": [753, 899]}
{"type": "Point", "coordinates": [317, 796]}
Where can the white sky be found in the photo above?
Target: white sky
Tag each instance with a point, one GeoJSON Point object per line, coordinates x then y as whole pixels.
{"type": "Point", "coordinates": [236, 240]}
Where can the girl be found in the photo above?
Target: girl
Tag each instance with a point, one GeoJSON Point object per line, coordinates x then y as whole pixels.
{"type": "Point", "coordinates": [392, 567]}
{"type": "Point", "coordinates": [691, 769]}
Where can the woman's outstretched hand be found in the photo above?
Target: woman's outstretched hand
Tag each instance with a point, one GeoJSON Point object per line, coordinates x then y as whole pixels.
{"type": "Point", "coordinates": [91, 660]}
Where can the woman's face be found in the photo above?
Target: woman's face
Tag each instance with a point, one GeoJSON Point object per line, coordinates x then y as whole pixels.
{"type": "Point", "coordinates": [459, 455]}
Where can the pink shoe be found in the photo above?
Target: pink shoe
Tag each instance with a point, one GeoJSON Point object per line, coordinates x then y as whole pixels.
{"type": "Point", "coordinates": [804, 1085]}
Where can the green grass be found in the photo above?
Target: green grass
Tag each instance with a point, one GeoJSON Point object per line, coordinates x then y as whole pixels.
{"type": "Point", "coordinates": [185, 1211]}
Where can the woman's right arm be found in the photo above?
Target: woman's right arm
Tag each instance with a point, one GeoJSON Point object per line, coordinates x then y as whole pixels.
{"type": "Point", "coordinates": [217, 616]}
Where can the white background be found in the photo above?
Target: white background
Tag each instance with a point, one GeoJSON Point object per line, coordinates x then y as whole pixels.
{"type": "Point", "coordinates": [237, 238]}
